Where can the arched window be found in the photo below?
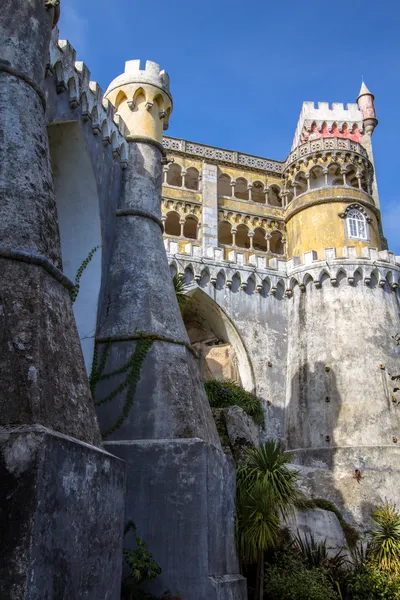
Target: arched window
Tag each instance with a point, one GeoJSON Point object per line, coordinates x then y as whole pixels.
{"type": "Point", "coordinates": [258, 192]}
{"type": "Point", "coordinates": [225, 233]}
{"type": "Point", "coordinates": [300, 183]}
{"type": "Point", "coordinates": [172, 225]}
{"type": "Point", "coordinates": [224, 185]}
{"type": "Point", "coordinates": [276, 243]}
{"type": "Point", "coordinates": [174, 175]}
{"type": "Point", "coordinates": [190, 228]}
{"type": "Point", "coordinates": [356, 225]}
{"type": "Point", "coordinates": [242, 237]}
{"type": "Point", "coordinates": [259, 241]}
{"type": "Point", "coordinates": [241, 189]}
{"type": "Point", "coordinates": [274, 198]}
{"type": "Point", "coordinates": [317, 178]}
{"type": "Point", "coordinates": [192, 179]}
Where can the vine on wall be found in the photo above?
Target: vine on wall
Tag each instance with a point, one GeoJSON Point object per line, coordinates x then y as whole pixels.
{"type": "Point", "coordinates": [131, 369]}
{"type": "Point", "coordinates": [75, 290]}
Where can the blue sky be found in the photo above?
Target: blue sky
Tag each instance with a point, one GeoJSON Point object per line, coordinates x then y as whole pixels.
{"type": "Point", "coordinates": [240, 70]}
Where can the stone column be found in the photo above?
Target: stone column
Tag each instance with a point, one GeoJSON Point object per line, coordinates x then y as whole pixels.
{"type": "Point", "coordinates": [234, 232]}
{"type": "Point", "coordinates": [251, 236]}
{"type": "Point", "coordinates": [51, 480]}
{"type": "Point", "coordinates": [210, 206]}
{"type": "Point", "coordinates": [250, 188]}
{"type": "Point", "coordinates": [153, 410]}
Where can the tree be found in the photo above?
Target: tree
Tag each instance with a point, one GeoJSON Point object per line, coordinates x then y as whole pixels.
{"type": "Point", "coordinates": [266, 490]}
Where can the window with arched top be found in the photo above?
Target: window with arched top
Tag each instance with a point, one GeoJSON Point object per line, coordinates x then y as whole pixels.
{"type": "Point", "coordinates": [242, 236]}
{"type": "Point", "coordinates": [190, 228]}
{"type": "Point", "coordinates": [174, 175]}
{"type": "Point", "coordinates": [172, 224]}
{"type": "Point", "coordinates": [241, 189]}
{"type": "Point", "coordinates": [356, 225]}
{"type": "Point", "coordinates": [224, 185]}
{"type": "Point", "coordinates": [192, 179]}
{"type": "Point", "coordinates": [225, 233]}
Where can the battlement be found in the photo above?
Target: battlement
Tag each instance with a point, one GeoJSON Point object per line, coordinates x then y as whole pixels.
{"type": "Point", "coordinates": [329, 114]}
{"type": "Point", "coordinates": [374, 268]}
{"type": "Point", "coordinates": [150, 75]}
{"type": "Point", "coordinates": [86, 96]}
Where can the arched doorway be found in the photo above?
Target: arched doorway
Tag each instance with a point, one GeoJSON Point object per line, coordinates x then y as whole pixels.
{"type": "Point", "coordinates": [222, 352]}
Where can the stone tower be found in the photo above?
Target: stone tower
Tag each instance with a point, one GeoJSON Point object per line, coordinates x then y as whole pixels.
{"type": "Point", "coordinates": [152, 406]}
{"type": "Point", "coordinates": [61, 496]}
{"type": "Point", "coordinates": [341, 412]}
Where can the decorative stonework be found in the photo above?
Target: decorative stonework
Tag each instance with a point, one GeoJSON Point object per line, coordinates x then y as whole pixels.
{"type": "Point", "coordinates": [222, 155]}
{"type": "Point", "coordinates": [325, 144]}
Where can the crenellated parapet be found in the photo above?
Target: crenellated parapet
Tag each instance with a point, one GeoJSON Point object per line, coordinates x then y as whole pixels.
{"type": "Point", "coordinates": [328, 119]}
{"type": "Point", "coordinates": [372, 268]}
{"type": "Point", "coordinates": [86, 98]}
{"type": "Point", "coordinates": [143, 99]}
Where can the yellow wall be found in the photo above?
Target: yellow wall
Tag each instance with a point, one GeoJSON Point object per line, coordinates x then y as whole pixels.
{"type": "Point", "coordinates": [319, 225]}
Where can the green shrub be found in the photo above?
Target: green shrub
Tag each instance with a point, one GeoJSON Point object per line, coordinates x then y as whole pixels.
{"type": "Point", "coordinates": [142, 567]}
{"type": "Point", "coordinates": [223, 394]}
{"type": "Point", "coordinates": [300, 584]}
{"type": "Point", "coordinates": [384, 545]}
{"type": "Point", "coordinates": [373, 584]}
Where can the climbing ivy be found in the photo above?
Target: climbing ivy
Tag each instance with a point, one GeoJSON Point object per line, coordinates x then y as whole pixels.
{"type": "Point", "coordinates": [75, 290]}
{"type": "Point", "coordinates": [131, 369]}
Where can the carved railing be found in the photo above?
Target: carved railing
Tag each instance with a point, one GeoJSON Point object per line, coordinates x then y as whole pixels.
{"type": "Point", "coordinates": [326, 144]}
{"type": "Point", "coordinates": [220, 154]}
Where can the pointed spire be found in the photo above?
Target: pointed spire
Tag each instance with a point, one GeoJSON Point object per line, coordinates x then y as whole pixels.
{"type": "Point", "coordinates": [364, 90]}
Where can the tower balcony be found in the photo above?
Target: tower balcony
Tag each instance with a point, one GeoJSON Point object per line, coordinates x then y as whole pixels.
{"type": "Point", "coordinates": [329, 162]}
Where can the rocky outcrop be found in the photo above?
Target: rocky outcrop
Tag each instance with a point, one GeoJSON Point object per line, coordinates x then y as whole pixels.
{"type": "Point", "coordinates": [237, 431]}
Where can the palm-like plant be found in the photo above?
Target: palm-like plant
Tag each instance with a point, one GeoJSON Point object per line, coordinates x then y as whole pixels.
{"type": "Point", "coordinates": [384, 546]}
{"type": "Point", "coordinates": [266, 489]}
{"type": "Point", "coordinates": [180, 288]}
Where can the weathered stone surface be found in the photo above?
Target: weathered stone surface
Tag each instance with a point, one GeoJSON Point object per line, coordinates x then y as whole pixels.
{"type": "Point", "coordinates": [43, 378]}
{"type": "Point", "coordinates": [170, 400]}
{"type": "Point", "coordinates": [330, 474]}
{"type": "Point", "coordinates": [242, 431]}
{"type": "Point", "coordinates": [62, 517]}
{"type": "Point", "coordinates": [322, 524]}
{"type": "Point", "coordinates": [185, 512]}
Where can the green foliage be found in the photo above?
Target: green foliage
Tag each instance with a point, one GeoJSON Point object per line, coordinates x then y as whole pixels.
{"type": "Point", "coordinates": [300, 584]}
{"type": "Point", "coordinates": [75, 290]}
{"type": "Point", "coordinates": [257, 525]}
{"type": "Point", "coordinates": [384, 547]}
{"type": "Point", "coordinates": [315, 553]}
{"type": "Point", "coordinates": [269, 465]}
{"type": "Point", "coordinates": [266, 489]}
{"type": "Point", "coordinates": [371, 583]}
{"type": "Point", "coordinates": [131, 369]}
{"type": "Point", "coordinates": [140, 561]}
{"type": "Point", "coordinates": [180, 291]}
{"type": "Point", "coordinates": [351, 534]}
{"type": "Point", "coordinates": [222, 394]}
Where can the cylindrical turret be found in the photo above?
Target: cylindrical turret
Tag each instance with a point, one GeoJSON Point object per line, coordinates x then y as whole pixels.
{"type": "Point", "coordinates": [366, 105]}
{"type": "Point", "coordinates": [328, 185]}
{"type": "Point", "coordinates": [142, 99]}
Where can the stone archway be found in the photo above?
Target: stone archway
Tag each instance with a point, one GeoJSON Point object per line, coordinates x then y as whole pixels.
{"type": "Point", "coordinates": [212, 333]}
